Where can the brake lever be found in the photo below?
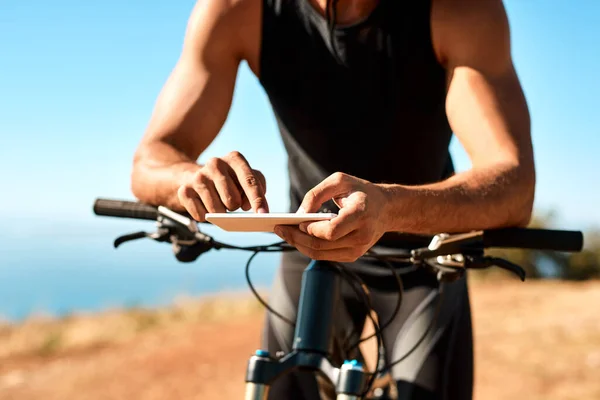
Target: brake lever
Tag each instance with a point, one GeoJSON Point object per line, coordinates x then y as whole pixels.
{"type": "Point", "coordinates": [162, 235]}
{"type": "Point", "coordinates": [507, 265]}
{"type": "Point", "coordinates": [486, 262]}
{"type": "Point", "coordinates": [129, 237]}
{"type": "Point", "coordinates": [451, 267]}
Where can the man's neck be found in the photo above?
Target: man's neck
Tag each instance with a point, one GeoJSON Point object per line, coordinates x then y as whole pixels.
{"type": "Point", "coordinates": [348, 11]}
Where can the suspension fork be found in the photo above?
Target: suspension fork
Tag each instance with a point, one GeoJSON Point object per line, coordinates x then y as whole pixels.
{"type": "Point", "coordinates": [312, 341]}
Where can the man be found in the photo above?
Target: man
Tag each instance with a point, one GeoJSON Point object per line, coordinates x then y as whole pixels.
{"type": "Point", "coordinates": [367, 94]}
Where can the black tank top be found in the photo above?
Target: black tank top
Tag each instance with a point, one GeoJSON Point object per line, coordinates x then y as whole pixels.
{"type": "Point", "coordinates": [377, 112]}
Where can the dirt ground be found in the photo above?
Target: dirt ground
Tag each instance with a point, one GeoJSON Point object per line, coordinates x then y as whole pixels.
{"type": "Point", "coordinates": [534, 341]}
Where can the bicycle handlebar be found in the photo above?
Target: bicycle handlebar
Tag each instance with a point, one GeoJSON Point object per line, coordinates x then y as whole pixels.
{"type": "Point", "coordinates": [129, 209]}
{"type": "Point", "coordinates": [522, 238]}
{"type": "Point", "coordinates": [530, 238]}
{"type": "Point", "coordinates": [125, 209]}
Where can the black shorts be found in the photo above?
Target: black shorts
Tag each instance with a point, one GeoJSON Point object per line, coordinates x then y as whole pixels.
{"type": "Point", "coordinates": [441, 367]}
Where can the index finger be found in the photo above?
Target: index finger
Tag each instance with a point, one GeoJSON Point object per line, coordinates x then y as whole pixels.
{"type": "Point", "coordinates": [249, 182]}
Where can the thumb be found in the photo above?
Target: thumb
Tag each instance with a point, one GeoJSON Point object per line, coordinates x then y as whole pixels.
{"type": "Point", "coordinates": [334, 186]}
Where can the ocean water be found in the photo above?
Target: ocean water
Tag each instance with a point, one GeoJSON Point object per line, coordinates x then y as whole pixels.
{"type": "Point", "coordinates": [57, 270]}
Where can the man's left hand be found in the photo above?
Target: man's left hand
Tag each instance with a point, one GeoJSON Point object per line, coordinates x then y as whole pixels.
{"type": "Point", "coordinates": [359, 224]}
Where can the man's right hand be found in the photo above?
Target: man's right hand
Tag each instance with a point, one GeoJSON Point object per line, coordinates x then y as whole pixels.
{"type": "Point", "coordinates": [189, 114]}
{"type": "Point", "coordinates": [224, 184]}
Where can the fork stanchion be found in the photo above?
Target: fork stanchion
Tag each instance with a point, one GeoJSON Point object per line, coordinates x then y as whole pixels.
{"type": "Point", "coordinates": [259, 374]}
{"type": "Point", "coordinates": [256, 391]}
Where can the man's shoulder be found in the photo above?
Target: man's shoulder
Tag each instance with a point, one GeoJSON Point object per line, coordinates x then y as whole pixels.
{"type": "Point", "coordinates": [232, 12]}
{"type": "Point", "coordinates": [226, 25]}
{"type": "Point", "coordinates": [459, 26]}
{"type": "Point", "coordinates": [465, 15]}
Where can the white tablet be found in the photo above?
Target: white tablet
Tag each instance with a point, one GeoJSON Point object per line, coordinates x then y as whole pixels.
{"type": "Point", "coordinates": [253, 222]}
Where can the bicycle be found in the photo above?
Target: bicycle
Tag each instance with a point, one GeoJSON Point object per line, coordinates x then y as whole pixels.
{"type": "Point", "coordinates": [446, 255]}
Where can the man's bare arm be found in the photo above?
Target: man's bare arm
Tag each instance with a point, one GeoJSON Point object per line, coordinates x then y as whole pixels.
{"type": "Point", "coordinates": [191, 108]}
{"type": "Point", "coordinates": [488, 113]}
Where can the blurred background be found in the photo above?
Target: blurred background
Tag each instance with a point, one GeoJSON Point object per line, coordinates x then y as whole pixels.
{"type": "Point", "coordinates": [79, 319]}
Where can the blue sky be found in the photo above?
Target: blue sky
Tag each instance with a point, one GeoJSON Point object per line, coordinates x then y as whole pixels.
{"type": "Point", "coordinates": [78, 81]}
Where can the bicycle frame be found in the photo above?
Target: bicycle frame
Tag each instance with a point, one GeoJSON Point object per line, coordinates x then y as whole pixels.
{"type": "Point", "coordinates": [312, 338]}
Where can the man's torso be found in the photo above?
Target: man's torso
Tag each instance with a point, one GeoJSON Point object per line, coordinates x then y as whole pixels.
{"type": "Point", "coordinates": [379, 115]}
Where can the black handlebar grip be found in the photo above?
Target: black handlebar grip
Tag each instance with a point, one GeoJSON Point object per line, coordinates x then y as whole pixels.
{"type": "Point", "coordinates": [125, 209]}
{"type": "Point", "coordinates": [529, 238]}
